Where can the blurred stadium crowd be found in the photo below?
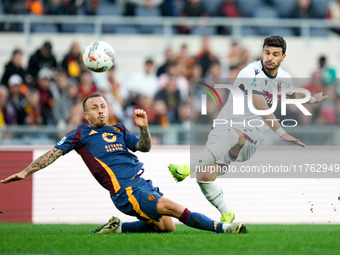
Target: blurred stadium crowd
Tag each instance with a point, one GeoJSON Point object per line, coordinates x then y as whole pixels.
{"type": "Point", "coordinates": [49, 92]}
{"type": "Point", "coordinates": [295, 9]}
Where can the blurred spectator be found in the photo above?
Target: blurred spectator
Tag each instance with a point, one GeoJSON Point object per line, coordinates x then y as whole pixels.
{"type": "Point", "coordinates": [91, 6]}
{"type": "Point", "coordinates": [76, 115]}
{"type": "Point", "coordinates": [185, 61]}
{"type": "Point", "coordinates": [205, 56]}
{"type": "Point", "coordinates": [172, 98]}
{"type": "Point", "coordinates": [86, 86]}
{"type": "Point", "coordinates": [184, 120]}
{"type": "Point", "coordinates": [58, 88]}
{"type": "Point", "coordinates": [196, 72]}
{"type": "Point", "coordinates": [14, 7]}
{"type": "Point", "coordinates": [16, 98]}
{"type": "Point", "coordinates": [314, 87]}
{"type": "Point", "coordinates": [192, 8]}
{"type": "Point", "coordinates": [63, 106]}
{"type": "Point", "coordinates": [227, 8]}
{"type": "Point", "coordinates": [235, 55]}
{"type": "Point", "coordinates": [7, 110]}
{"type": "Point", "coordinates": [238, 58]}
{"type": "Point", "coordinates": [144, 82]}
{"type": "Point", "coordinates": [214, 72]}
{"type": "Point", "coordinates": [60, 7]}
{"type": "Point", "coordinates": [161, 114]}
{"type": "Point", "coordinates": [32, 109]}
{"type": "Point", "coordinates": [173, 70]}
{"type": "Point", "coordinates": [14, 66]}
{"type": "Point", "coordinates": [114, 96]}
{"type": "Point", "coordinates": [43, 57]}
{"type": "Point", "coordinates": [72, 62]}
{"type": "Point", "coordinates": [35, 7]}
{"type": "Point", "coordinates": [327, 113]}
{"type": "Point", "coordinates": [184, 114]}
{"type": "Point", "coordinates": [326, 73]}
{"type": "Point", "coordinates": [46, 99]}
{"type": "Point", "coordinates": [333, 13]}
{"type": "Point", "coordinates": [168, 8]}
{"type": "Point", "coordinates": [128, 7]}
{"type": "Point", "coordinates": [168, 58]}
{"type": "Point", "coordinates": [304, 9]}
{"type": "Point", "coordinates": [147, 104]}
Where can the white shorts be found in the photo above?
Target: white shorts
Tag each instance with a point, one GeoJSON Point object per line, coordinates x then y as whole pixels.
{"type": "Point", "coordinates": [255, 139]}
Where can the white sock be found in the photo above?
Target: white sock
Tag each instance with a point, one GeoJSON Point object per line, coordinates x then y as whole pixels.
{"type": "Point", "coordinates": [119, 229]}
{"type": "Point", "coordinates": [214, 152]}
{"type": "Point", "coordinates": [214, 194]}
{"type": "Point", "coordinates": [225, 227]}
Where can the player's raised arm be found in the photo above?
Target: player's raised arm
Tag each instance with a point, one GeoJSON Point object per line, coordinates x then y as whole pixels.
{"type": "Point", "coordinates": [38, 164]}
{"type": "Point", "coordinates": [141, 120]}
{"type": "Point", "coordinates": [270, 119]}
{"type": "Point", "coordinates": [317, 98]}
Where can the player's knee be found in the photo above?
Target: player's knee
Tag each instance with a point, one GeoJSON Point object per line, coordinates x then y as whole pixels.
{"type": "Point", "coordinates": [170, 227]}
{"type": "Point", "coordinates": [166, 226]}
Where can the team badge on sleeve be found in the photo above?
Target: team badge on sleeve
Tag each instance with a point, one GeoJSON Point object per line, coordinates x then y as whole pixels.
{"type": "Point", "coordinates": [62, 141]}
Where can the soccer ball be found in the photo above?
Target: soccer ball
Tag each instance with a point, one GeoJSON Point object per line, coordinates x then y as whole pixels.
{"type": "Point", "coordinates": [99, 56]}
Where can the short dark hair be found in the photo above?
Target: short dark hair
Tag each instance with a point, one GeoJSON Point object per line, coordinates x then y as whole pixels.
{"type": "Point", "coordinates": [16, 51]}
{"type": "Point", "coordinates": [149, 61]}
{"type": "Point", "coordinates": [88, 97]}
{"type": "Point", "coordinates": [275, 41]}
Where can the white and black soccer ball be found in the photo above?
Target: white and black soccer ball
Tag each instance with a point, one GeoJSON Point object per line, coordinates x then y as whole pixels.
{"type": "Point", "coordinates": [99, 56]}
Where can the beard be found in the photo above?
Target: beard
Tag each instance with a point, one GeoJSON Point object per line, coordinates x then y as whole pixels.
{"type": "Point", "coordinates": [272, 67]}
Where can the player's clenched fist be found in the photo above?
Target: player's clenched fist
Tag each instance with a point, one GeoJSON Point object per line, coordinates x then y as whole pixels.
{"type": "Point", "coordinates": [141, 119]}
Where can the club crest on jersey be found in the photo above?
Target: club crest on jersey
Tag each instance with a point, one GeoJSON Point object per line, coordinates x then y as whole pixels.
{"type": "Point", "coordinates": [279, 86]}
{"type": "Point", "coordinates": [256, 72]}
{"type": "Point", "coordinates": [151, 197]}
{"type": "Point", "coordinates": [117, 129]}
{"type": "Point", "coordinates": [109, 137]}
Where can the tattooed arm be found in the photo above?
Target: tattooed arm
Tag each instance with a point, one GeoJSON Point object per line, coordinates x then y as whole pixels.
{"type": "Point", "coordinates": [141, 120]}
{"type": "Point", "coordinates": [38, 164]}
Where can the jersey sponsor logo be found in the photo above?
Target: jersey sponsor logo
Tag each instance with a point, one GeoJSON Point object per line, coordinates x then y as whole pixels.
{"type": "Point", "coordinates": [109, 137]}
{"type": "Point", "coordinates": [62, 141]}
{"type": "Point", "coordinates": [151, 197]}
{"type": "Point", "coordinates": [114, 147]}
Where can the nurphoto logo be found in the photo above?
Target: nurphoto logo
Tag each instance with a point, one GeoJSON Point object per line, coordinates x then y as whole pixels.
{"type": "Point", "coordinates": [239, 104]}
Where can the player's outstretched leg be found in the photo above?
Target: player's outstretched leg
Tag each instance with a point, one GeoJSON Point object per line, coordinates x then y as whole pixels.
{"type": "Point", "coordinates": [214, 194]}
{"type": "Point", "coordinates": [196, 220]}
{"type": "Point", "coordinates": [116, 226]}
{"type": "Point", "coordinates": [113, 226]}
{"type": "Point", "coordinates": [210, 189]}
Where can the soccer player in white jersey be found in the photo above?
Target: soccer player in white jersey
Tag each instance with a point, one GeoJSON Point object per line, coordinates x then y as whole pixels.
{"type": "Point", "coordinates": [228, 143]}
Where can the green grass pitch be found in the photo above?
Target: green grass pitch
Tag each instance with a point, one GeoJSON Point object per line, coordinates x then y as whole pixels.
{"type": "Point", "coordinates": [261, 239]}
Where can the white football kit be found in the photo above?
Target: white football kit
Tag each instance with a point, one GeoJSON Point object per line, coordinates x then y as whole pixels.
{"type": "Point", "coordinates": [255, 78]}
